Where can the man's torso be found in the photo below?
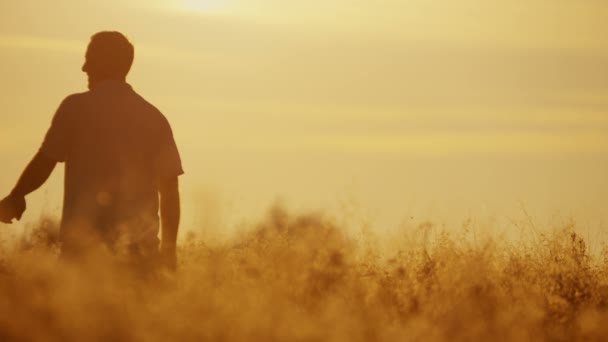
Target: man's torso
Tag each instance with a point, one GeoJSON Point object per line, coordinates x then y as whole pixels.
{"type": "Point", "coordinates": [113, 142]}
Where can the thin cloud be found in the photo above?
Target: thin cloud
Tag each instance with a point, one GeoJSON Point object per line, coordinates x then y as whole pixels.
{"type": "Point", "coordinates": [72, 46]}
{"type": "Point", "coordinates": [25, 42]}
{"type": "Point", "coordinates": [512, 143]}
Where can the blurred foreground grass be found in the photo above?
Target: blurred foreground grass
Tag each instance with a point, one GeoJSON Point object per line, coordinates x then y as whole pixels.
{"type": "Point", "coordinates": [301, 278]}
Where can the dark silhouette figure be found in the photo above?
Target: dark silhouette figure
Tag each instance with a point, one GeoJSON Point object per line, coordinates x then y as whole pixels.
{"type": "Point", "coordinates": [119, 156]}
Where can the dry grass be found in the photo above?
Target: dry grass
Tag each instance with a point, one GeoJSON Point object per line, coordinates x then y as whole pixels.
{"type": "Point", "coordinates": [300, 278]}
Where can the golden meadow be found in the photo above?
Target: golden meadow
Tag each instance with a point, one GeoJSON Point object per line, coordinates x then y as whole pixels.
{"type": "Point", "coordinates": [306, 278]}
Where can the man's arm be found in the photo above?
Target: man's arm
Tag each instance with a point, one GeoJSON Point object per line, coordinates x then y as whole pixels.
{"type": "Point", "coordinates": [170, 213]}
{"type": "Point", "coordinates": [32, 178]}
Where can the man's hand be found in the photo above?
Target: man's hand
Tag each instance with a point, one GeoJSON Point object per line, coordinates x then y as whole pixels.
{"type": "Point", "coordinates": [168, 258]}
{"type": "Point", "coordinates": [12, 207]}
{"type": "Point", "coordinates": [34, 175]}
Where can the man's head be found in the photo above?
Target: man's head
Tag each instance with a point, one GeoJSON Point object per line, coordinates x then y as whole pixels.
{"type": "Point", "coordinates": [109, 57]}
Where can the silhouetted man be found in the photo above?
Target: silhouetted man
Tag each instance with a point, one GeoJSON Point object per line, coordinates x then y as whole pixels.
{"type": "Point", "coordinates": [119, 156]}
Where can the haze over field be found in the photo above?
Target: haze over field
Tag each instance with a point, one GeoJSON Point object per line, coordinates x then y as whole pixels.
{"type": "Point", "coordinates": [439, 169]}
{"type": "Point", "coordinates": [398, 109]}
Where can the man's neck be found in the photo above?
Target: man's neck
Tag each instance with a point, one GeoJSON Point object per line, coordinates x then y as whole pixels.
{"type": "Point", "coordinates": [96, 83]}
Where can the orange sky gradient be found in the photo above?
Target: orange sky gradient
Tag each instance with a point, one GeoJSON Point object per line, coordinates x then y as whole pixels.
{"type": "Point", "coordinates": [378, 111]}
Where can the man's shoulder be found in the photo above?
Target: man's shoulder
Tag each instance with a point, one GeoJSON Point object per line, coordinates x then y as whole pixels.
{"type": "Point", "coordinates": [74, 99]}
{"type": "Point", "coordinates": [151, 110]}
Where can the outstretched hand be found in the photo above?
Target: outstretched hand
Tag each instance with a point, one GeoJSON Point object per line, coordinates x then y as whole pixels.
{"type": "Point", "coordinates": [12, 207]}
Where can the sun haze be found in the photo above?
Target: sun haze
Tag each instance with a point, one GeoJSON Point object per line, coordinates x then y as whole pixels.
{"type": "Point", "coordinates": [355, 170]}
{"type": "Point", "coordinates": [205, 6]}
{"type": "Point", "coordinates": [403, 109]}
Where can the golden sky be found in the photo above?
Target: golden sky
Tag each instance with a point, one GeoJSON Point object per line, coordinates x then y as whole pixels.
{"type": "Point", "coordinates": [432, 109]}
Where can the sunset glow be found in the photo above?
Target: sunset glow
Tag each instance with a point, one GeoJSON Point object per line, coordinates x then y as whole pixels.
{"type": "Point", "coordinates": [313, 170]}
{"type": "Point", "coordinates": [207, 5]}
{"type": "Point", "coordinates": [320, 98]}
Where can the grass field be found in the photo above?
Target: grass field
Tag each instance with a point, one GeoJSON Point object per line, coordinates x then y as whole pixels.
{"type": "Point", "coordinates": [302, 278]}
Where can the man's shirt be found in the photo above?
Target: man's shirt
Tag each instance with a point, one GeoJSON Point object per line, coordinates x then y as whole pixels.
{"type": "Point", "coordinates": [117, 148]}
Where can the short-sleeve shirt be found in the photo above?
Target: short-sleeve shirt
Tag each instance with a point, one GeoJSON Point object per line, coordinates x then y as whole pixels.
{"type": "Point", "coordinates": [117, 149]}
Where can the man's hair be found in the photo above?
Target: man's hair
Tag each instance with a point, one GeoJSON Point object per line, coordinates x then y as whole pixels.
{"type": "Point", "coordinates": [110, 53]}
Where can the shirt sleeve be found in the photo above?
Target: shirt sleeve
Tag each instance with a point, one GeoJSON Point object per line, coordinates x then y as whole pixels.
{"type": "Point", "coordinates": [169, 163]}
{"type": "Point", "coordinates": [56, 142]}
